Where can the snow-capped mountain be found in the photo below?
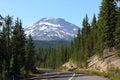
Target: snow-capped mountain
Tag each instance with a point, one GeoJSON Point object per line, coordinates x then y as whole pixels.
{"type": "Point", "coordinates": [52, 29]}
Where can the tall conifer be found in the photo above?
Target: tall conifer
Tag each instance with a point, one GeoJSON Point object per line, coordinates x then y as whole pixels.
{"type": "Point", "coordinates": [107, 24]}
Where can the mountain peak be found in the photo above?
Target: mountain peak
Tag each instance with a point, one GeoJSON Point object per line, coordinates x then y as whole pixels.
{"type": "Point", "coordinates": [51, 20]}
{"type": "Point", "coordinates": [52, 29]}
{"type": "Point", "coordinates": [47, 19]}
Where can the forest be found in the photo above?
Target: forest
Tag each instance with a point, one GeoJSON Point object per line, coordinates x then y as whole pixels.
{"type": "Point", "coordinates": [18, 56]}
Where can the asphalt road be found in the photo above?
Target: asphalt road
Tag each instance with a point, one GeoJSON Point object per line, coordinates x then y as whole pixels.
{"type": "Point", "coordinates": [57, 75]}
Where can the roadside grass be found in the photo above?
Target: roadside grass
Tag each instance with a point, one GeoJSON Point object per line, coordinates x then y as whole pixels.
{"type": "Point", "coordinates": [112, 73]}
{"type": "Point", "coordinates": [91, 72]}
{"type": "Point", "coordinates": [29, 74]}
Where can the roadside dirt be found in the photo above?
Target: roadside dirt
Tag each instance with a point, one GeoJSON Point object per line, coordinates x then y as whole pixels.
{"type": "Point", "coordinates": [109, 59]}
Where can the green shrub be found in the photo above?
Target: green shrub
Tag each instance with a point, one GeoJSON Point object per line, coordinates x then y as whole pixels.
{"type": "Point", "coordinates": [114, 73]}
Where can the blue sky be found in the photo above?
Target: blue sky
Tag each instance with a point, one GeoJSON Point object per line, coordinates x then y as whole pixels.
{"type": "Point", "coordinates": [30, 11]}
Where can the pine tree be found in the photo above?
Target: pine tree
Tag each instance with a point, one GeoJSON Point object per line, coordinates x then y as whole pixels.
{"type": "Point", "coordinates": [107, 24]}
{"type": "Point", "coordinates": [117, 34]}
{"type": "Point", "coordinates": [7, 24]}
{"type": "Point", "coordinates": [94, 36]}
{"type": "Point", "coordinates": [76, 47]}
{"type": "Point", "coordinates": [18, 44]}
{"type": "Point", "coordinates": [86, 37]}
{"type": "Point", "coordinates": [30, 56]}
{"type": "Point", "coordinates": [2, 51]}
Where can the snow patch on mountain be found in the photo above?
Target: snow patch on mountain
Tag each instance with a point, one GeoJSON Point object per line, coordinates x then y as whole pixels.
{"type": "Point", "coordinates": [52, 29]}
{"type": "Point", "coordinates": [50, 24]}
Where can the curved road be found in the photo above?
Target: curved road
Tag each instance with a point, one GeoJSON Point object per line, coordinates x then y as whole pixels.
{"type": "Point", "coordinates": [50, 75]}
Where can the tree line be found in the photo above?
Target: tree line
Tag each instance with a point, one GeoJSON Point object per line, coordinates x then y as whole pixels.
{"type": "Point", "coordinates": [101, 34]}
{"type": "Point", "coordinates": [17, 54]}
{"type": "Point", "coordinates": [52, 57]}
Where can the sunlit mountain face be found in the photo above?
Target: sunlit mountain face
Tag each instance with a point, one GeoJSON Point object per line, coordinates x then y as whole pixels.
{"type": "Point", "coordinates": [48, 29]}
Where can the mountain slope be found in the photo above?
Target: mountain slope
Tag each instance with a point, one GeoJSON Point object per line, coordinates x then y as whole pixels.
{"type": "Point", "coordinates": [48, 29]}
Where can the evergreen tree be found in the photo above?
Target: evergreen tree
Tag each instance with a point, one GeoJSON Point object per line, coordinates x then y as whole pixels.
{"type": "Point", "coordinates": [18, 43]}
{"type": "Point", "coordinates": [7, 24]}
{"type": "Point", "coordinates": [107, 24]}
{"type": "Point", "coordinates": [5, 49]}
{"type": "Point", "coordinates": [117, 34]}
{"type": "Point", "coordinates": [30, 56]}
{"type": "Point", "coordinates": [94, 36]}
{"type": "Point", "coordinates": [2, 51]}
{"type": "Point", "coordinates": [86, 38]}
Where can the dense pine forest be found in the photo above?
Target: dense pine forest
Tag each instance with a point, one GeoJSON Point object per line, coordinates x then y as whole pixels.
{"type": "Point", "coordinates": [18, 56]}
